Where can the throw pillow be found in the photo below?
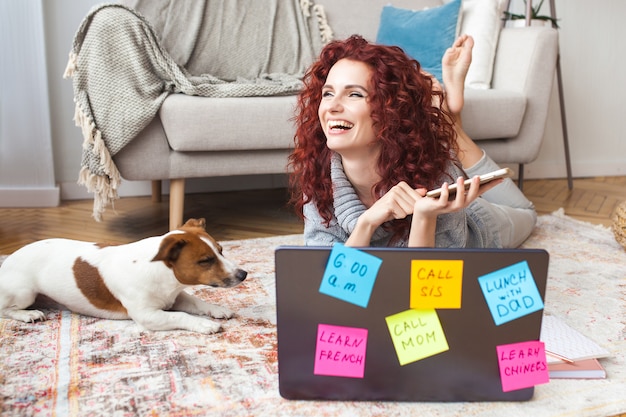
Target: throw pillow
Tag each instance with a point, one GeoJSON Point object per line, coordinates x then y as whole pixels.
{"type": "Point", "coordinates": [483, 20]}
{"type": "Point", "coordinates": [423, 34]}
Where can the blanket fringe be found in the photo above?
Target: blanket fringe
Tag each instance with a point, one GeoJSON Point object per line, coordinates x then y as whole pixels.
{"type": "Point", "coordinates": [86, 127]}
{"type": "Point", "coordinates": [326, 31]}
{"type": "Point", "coordinates": [70, 69]}
{"type": "Point", "coordinates": [104, 193]}
{"type": "Point", "coordinates": [104, 187]}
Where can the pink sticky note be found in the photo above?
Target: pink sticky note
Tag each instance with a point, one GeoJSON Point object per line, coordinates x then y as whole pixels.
{"type": "Point", "coordinates": [522, 365]}
{"type": "Point", "coordinates": [340, 351]}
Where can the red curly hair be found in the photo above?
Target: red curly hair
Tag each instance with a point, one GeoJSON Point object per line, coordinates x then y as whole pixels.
{"type": "Point", "coordinates": [417, 137]}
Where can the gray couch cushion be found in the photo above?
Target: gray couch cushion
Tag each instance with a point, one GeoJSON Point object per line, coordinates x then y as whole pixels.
{"type": "Point", "coordinates": [243, 123]}
{"type": "Point", "coordinates": [256, 123]}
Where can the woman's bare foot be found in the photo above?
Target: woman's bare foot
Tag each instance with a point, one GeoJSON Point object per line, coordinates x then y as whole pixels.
{"type": "Point", "coordinates": [455, 64]}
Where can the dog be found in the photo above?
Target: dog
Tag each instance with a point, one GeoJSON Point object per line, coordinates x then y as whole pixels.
{"type": "Point", "coordinates": [143, 281]}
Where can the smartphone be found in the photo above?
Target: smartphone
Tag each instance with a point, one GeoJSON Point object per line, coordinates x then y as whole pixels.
{"type": "Point", "coordinates": [484, 179]}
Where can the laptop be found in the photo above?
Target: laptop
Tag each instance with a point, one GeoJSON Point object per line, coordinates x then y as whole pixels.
{"type": "Point", "coordinates": [408, 324]}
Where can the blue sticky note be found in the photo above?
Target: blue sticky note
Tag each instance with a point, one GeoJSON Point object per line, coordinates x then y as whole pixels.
{"type": "Point", "coordinates": [511, 292]}
{"type": "Point", "coordinates": [350, 275]}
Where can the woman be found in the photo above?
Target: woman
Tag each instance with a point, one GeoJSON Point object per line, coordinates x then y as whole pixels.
{"type": "Point", "coordinates": [374, 133]}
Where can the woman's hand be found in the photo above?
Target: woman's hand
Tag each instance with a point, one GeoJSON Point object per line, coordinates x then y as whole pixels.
{"type": "Point", "coordinates": [444, 203]}
{"type": "Point", "coordinates": [426, 209]}
{"type": "Point", "coordinates": [397, 203]}
{"type": "Point", "coordinates": [402, 200]}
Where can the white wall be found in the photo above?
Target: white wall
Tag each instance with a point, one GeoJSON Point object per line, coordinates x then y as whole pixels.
{"type": "Point", "coordinates": [592, 60]}
{"type": "Point", "coordinates": [26, 165]}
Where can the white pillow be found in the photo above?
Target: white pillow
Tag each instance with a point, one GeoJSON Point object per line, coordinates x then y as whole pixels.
{"type": "Point", "coordinates": [483, 20]}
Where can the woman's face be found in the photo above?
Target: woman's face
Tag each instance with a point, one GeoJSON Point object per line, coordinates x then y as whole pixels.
{"type": "Point", "coordinates": [345, 111]}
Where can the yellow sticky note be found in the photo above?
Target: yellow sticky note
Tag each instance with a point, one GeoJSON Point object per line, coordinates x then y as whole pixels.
{"type": "Point", "coordinates": [416, 334]}
{"type": "Point", "coordinates": [436, 283]}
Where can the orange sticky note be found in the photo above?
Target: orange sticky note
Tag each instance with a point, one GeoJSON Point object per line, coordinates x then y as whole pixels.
{"type": "Point", "coordinates": [436, 284]}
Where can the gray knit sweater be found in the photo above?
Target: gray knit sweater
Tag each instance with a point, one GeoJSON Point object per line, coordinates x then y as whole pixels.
{"type": "Point", "coordinates": [463, 229]}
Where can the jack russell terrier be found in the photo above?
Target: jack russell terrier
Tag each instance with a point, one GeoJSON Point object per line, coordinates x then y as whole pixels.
{"type": "Point", "coordinates": [142, 280]}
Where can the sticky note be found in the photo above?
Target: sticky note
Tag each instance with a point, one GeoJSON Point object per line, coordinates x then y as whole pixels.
{"type": "Point", "coordinates": [522, 365]}
{"type": "Point", "coordinates": [436, 284]}
{"type": "Point", "coordinates": [350, 275]}
{"type": "Point", "coordinates": [416, 334]}
{"type": "Point", "coordinates": [511, 292]}
{"type": "Point", "coordinates": [340, 351]}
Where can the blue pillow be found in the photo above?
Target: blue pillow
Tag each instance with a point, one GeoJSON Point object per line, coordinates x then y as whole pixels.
{"type": "Point", "coordinates": [423, 34]}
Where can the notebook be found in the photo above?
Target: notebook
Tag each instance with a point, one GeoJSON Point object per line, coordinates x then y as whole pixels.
{"type": "Point", "coordinates": [563, 341]}
{"type": "Point", "coordinates": [582, 369]}
{"type": "Point", "coordinates": [568, 342]}
{"type": "Point", "coordinates": [402, 324]}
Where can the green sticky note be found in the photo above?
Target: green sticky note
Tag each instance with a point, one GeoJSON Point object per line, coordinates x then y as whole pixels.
{"type": "Point", "coordinates": [416, 334]}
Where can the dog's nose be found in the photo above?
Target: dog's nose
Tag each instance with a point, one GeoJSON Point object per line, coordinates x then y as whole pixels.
{"type": "Point", "coordinates": [240, 274]}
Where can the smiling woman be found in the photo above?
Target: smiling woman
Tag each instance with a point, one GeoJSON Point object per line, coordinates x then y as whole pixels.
{"type": "Point", "coordinates": [374, 134]}
{"type": "Point", "coordinates": [345, 110]}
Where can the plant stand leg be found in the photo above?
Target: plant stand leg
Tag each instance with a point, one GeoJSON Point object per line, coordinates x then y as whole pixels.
{"type": "Point", "coordinates": [559, 80]}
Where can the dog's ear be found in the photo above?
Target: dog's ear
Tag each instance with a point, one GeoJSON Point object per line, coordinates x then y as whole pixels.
{"type": "Point", "coordinates": [170, 249]}
{"type": "Point", "coordinates": [201, 223]}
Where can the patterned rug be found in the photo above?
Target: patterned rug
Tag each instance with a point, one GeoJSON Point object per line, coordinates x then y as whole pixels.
{"type": "Point", "coordinates": [80, 366]}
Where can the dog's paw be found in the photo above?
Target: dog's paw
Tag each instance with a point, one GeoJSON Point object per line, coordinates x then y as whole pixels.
{"type": "Point", "coordinates": [165, 320]}
{"type": "Point", "coordinates": [206, 327]}
{"type": "Point", "coordinates": [218, 312]}
{"type": "Point", "coordinates": [27, 316]}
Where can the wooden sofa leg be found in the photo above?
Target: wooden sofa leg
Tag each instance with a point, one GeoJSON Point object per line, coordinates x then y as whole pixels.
{"type": "Point", "coordinates": [156, 191]}
{"type": "Point", "coordinates": [520, 177]}
{"type": "Point", "coordinates": [177, 202]}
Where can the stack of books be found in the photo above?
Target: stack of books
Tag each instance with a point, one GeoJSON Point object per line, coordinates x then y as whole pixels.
{"type": "Point", "coordinates": [571, 354]}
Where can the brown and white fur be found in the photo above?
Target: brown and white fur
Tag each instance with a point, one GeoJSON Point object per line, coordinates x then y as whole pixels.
{"type": "Point", "coordinates": [143, 280]}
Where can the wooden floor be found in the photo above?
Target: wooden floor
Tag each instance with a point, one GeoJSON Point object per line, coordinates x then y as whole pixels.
{"type": "Point", "coordinates": [259, 213]}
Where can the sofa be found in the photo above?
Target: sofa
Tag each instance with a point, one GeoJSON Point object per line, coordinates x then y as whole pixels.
{"type": "Point", "coordinates": [193, 137]}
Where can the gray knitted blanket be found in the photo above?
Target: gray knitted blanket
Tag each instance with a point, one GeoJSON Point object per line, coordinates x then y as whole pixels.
{"type": "Point", "coordinates": [122, 73]}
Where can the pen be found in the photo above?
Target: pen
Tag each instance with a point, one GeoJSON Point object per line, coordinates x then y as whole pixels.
{"type": "Point", "coordinates": [561, 357]}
